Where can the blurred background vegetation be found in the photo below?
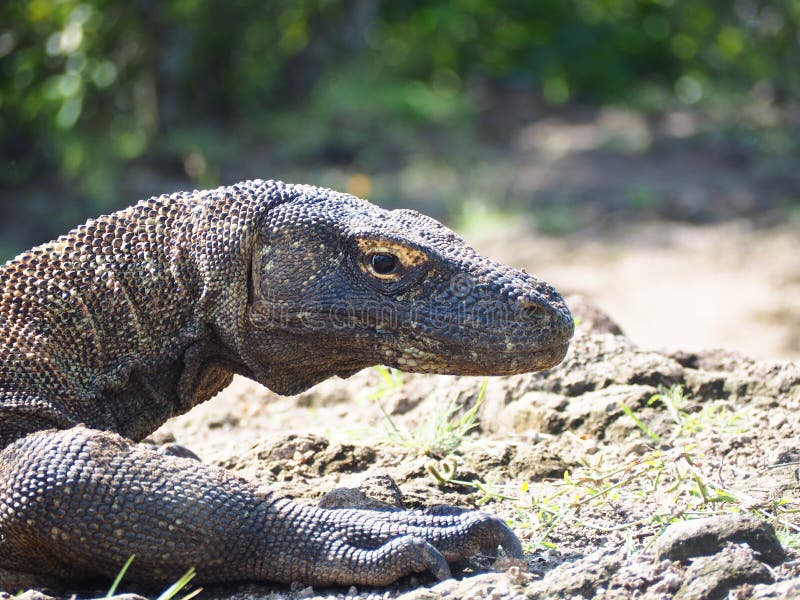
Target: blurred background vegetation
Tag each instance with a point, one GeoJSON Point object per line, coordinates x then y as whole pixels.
{"type": "Point", "coordinates": [680, 109]}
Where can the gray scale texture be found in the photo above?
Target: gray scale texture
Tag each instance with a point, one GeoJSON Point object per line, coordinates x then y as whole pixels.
{"type": "Point", "coordinates": [138, 316]}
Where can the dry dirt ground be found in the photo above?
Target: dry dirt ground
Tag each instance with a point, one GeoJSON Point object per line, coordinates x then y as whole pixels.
{"type": "Point", "coordinates": [592, 461]}
{"type": "Point", "coordinates": [606, 465]}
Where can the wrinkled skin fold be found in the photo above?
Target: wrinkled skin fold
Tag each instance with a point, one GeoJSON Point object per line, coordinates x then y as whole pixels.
{"type": "Point", "coordinates": [137, 316]}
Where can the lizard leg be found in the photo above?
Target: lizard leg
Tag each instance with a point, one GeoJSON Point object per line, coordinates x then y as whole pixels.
{"type": "Point", "coordinates": [76, 503]}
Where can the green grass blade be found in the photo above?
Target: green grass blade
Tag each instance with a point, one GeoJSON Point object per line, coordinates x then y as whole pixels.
{"type": "Point", "coordinates": [176, 587]}
{"type": "Point", "coordinates": [640, 424]}
{"type": "Point", "coordinates": [113, 589]}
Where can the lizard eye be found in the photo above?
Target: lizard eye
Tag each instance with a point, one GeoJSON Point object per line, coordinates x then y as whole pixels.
{"type": "Point", "coordinates": [383, 263]}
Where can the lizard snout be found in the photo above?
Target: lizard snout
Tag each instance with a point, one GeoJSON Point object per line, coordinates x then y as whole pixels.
{"type": "Point", "coordinates": [545, 310]}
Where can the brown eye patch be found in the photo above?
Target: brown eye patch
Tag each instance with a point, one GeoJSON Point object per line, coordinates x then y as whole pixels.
{"type": "Point", "coordinates": [388, 260]}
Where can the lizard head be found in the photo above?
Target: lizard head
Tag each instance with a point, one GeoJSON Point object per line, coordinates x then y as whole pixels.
{"type": "Point", "coordinates": [337, 284]}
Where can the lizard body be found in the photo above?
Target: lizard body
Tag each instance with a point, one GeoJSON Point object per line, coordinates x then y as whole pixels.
{"type": "Point", "coordinates": [137, 316]}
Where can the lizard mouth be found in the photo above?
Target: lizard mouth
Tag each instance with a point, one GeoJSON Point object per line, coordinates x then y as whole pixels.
{"type": "Point", "coordinates": [471, 362]}
{"type": "Point", "coordinates": [465, 349]}
{"type": "Point", "coordinates": [543, 358]}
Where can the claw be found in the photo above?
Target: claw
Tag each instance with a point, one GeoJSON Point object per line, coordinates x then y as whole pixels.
{"type": "Point", "coordinates": [436, 563]}
{"type": "Point", "coordinates": [510, 542]}
{"type": "Point", "coordinates": [433, 560]}
{"type": "Point", "coordinates": [503, 537]}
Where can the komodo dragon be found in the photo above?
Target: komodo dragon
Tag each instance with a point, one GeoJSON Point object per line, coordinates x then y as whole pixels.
{"type": "Point", "coordinates": [135, 317]}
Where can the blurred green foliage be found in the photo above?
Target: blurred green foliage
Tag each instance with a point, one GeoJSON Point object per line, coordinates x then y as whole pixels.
{"type": "Point", "coordinates": [90, 87]}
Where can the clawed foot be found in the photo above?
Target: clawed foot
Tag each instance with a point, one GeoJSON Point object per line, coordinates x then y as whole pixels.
{"type": "Point", "coordinates": [377, 548]}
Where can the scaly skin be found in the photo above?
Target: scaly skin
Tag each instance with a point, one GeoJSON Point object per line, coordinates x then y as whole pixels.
{"type": "Point", "coordinates": [135, 317]}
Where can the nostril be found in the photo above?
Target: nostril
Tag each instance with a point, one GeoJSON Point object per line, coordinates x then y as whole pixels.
{"type": "Point", "coordinates": [532, 309]}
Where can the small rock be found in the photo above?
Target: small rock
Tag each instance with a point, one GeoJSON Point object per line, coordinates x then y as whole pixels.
{"type": "Point", "coordinates": [537, 462]}
{"type": "Point", "coordinates": [599, 413]}
{"type": "Point", "coordinates": [701, 537]}
{"type": "Point", "coordinates": [636, 449]}
{"type": "Point", "coordinates": [486, 586]}
{"type": "Point", "coordinates": [777, 420]}
{"type": "Point", "coordinates": [291, 446]}
{"type": "Point", "coordinates": [786, 453]}
{"type": "Point", "coordinates": [421, 594]}
{"type": "Point", "coordinates": [579, 578]}
{"type": "Point", "coordinates": [705, 385]}
{"type": "Point", "coordinates": [668, 584]}
{"type": "Point", "coordinates": [302, 591]}
{"type": "Point", "coordinates": [783, 590]}
{"type": "Point", "coordinates": [375, 492]}
{"type": "Point", "coordinates": [590, 445]}
{"type": "Point", "coordinates": [533, 411]}
{"type": "Point", "coordinates": [517, 574]}
{"type": "Point", "coordinates": [712, 577]}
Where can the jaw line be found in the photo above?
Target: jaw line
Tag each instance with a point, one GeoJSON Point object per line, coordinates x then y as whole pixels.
{"type": "Point", "coordinates": [502, 367]}
{"type": "Point", "coordinates": [427, 359]}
